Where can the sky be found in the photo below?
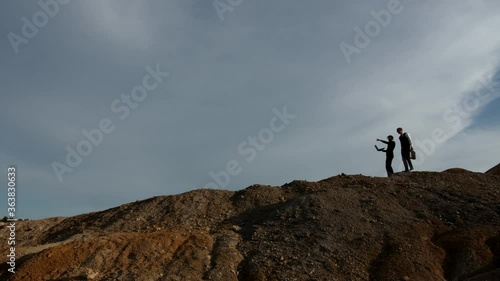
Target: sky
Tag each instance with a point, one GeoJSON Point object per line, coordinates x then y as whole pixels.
{"type": "Point", "coordinates": [108, 102]}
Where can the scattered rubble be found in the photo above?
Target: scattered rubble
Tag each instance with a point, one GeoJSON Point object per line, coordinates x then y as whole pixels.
{"type": "Point", "coordinates": [413, 226]}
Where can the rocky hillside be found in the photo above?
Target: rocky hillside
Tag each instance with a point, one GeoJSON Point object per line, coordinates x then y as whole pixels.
{"type": "Point", "coordinates": [414, 226]}
{"type": "Point", "coordinates": [494, 171]}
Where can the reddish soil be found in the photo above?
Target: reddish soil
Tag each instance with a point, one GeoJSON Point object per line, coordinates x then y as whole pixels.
{"type": "Point", "coordinates": [413, 226]}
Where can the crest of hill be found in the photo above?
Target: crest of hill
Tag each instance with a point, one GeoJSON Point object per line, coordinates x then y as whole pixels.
{"type": "Point", "coordinates": [413, 226]}
{"type": "Point", "coordinates": [494, 171]}
{"type": "Point", "coordinates": [457, 171]}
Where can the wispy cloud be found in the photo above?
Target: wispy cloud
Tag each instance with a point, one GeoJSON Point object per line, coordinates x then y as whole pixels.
{"type": "Point", "coordinates": [128, 24]}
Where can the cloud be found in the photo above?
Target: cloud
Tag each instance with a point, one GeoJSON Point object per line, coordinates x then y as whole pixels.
{"type": "Point", "coordinates": [469, 150]}
{"type": "Point", "coordinates": [47, 120]}
{"type": "Point", "coordinates": [126, 23]}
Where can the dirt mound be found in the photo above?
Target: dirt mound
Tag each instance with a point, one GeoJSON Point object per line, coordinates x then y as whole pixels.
{"type": "Point", "coordinates": [414, 226]}
{"type": "Point", "coordinates": [494, 171]}
{"type": "Point", "coordinates": [457, 171]}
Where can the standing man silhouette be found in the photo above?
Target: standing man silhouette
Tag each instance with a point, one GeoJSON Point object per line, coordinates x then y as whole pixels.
{"type": "Point", "coordinates": [389, 154]}
{"type": "Point", "coordinates": [406, 147]}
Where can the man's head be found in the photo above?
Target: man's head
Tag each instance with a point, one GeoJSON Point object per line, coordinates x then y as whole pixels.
{"type": "Point", "coordinates": [390, 138]}
{"type": "Point", "coordinates": [399, 130]}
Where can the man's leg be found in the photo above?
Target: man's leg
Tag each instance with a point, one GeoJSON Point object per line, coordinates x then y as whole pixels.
{"type": "Point", "coordinates": [388, 167]}
{"type": "Point", "coordinates": [405, 154]}
{"type": "Point", "coordinates": [405, 162]}
{"type": "Point", "coordinates": [410, 164]}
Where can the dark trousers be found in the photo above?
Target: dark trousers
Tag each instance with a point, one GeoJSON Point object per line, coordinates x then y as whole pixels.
{"type": "Point", "coordinates": [406, 160]}
{"type": "Point", "coordinates": [388, 165]}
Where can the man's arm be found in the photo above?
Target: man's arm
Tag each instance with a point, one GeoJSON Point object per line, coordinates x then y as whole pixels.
{"type": "Point", "coordinates": [409, 140]}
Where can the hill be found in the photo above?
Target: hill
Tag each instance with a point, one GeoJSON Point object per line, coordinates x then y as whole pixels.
{"type": "Point", "coordinates": [494, 171]}
{"type": "Point", "coordinates": [414, 226]}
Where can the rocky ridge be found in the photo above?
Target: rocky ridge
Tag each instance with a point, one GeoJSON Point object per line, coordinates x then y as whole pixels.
{"type": "Point", "coordinates": [413, 226]}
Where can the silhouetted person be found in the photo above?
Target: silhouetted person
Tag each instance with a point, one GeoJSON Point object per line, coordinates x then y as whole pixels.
{"type": "Point", "coordinates": [389, 154]}
{"type": "Point", "coordinates": [406, 147]}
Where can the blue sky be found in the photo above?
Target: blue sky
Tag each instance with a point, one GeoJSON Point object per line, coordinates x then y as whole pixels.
{"type": "Point", "coordinates": [229, 72]}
